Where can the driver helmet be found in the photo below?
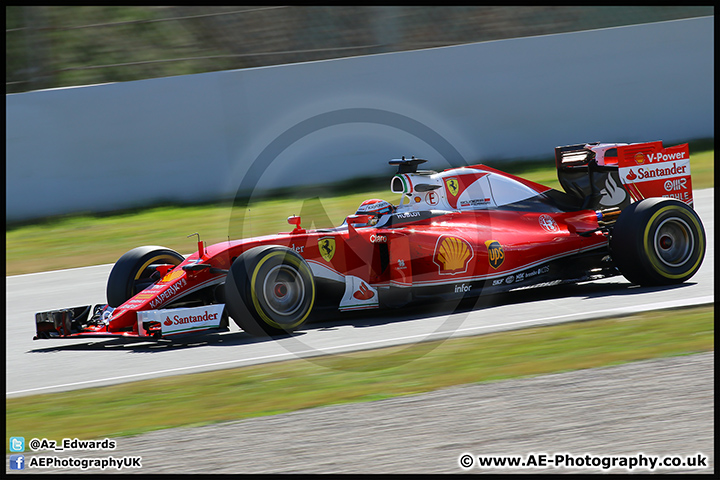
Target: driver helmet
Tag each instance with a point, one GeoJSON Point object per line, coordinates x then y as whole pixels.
{"type": "Point", "coordinates": [376, 208]}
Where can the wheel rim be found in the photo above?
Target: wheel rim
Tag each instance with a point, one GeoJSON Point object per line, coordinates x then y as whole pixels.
{"type": "Point", "coordinates": [674, 242]}
{"type": "Point", "coordinates": [283, 290]}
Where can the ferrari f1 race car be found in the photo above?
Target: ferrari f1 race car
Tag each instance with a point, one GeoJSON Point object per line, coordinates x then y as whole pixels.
{"type": "Point", "coordinates": [627, 209]}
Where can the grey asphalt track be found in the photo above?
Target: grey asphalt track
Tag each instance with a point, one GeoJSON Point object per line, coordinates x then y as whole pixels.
{"type": "Point", "coordinates": [46, 366]}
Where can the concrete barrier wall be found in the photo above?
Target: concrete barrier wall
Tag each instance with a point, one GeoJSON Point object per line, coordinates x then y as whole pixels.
{"type": "Point", "coordinates": [202, 137]}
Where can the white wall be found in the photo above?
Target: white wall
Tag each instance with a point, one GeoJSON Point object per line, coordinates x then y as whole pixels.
{"type": "Point", "coordinates": [201, 137]}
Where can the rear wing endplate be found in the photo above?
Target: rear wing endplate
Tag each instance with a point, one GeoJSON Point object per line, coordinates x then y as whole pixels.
{"type": "Point", "coordinates": [649, 170]}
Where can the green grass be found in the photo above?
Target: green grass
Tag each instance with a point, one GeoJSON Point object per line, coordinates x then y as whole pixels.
{"type": "Point", "coordinates": [233, 394]}
{"type": "Point", "coordinates": [81, 240]}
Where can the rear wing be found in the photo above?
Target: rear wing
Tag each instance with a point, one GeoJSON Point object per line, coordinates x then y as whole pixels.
{"type": "Point", "coordinates": [615, 174]}
{"type": "Point", "coordinates": [649, 170]}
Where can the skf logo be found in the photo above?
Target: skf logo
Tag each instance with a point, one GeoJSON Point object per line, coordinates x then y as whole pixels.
{"type": "Point", "coordinates": [452, 255]}
{"type": "Point", "coordinates": [452, 186]}
{"type": "Point", "coordinates": [639, 158]}
{"type": "Point", "coordinates": [496, 254]}
{"type": "Point", "coordinates": [327, 248]}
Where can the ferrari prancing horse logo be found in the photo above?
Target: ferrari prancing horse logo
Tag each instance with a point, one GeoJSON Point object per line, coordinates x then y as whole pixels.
{"type": "Point", "coordinates": [326, 245]}
{"type": "Point", "coordinates": [452, 186]}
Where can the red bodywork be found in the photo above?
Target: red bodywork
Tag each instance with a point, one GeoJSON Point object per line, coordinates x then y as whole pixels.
{"type": "Point", "coordinates": [453, 249]}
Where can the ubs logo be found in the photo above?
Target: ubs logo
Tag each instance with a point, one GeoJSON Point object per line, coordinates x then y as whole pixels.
{"type": "Point", "coordinates": [496, 254]}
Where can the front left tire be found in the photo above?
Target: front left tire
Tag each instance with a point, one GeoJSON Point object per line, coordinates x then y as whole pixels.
{"type": "Point", "coordinates": [133, 272]}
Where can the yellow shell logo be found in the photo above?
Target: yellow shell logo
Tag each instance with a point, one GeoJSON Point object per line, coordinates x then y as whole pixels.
{"type": "Point", "coordinates": [172, 276]}
{"type": "Point", "coordinates": [639, 158]}
{"type": "Point", "coordinates": [452, 255]}
{"type": "Point", "coordinates": [452, 186]}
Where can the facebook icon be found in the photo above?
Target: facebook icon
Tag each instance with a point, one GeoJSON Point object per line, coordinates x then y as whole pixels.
{"type": "Point", "coordinates": [17, 462]}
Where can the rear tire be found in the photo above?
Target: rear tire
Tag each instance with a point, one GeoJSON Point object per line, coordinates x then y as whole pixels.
{"type": "Point", "coordinates": [132, 272]}
{"type": "Point", "coordinates": [269, 290]}
{"type": "Point", "coordinates": [658, 241]}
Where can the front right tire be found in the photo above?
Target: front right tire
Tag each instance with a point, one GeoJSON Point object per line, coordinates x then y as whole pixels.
{"type": "Point", "coordinates": [269, 290]}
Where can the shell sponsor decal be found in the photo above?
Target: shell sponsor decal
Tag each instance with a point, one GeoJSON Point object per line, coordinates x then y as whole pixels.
{"type": "Point", "coordinates": [639, 158]}
{"type": "Point", "coordinates": [172, 276]}
{"type": "Point", "coordinates": [496, 254]}
{"type": "Point", "coordinates": [452, 186]}
{"type": "Point", "coordinates": [326, 245]}
{"type": "Point", "coordinates": [452, 255]}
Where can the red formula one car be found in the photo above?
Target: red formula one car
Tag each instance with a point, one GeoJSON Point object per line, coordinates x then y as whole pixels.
{"type": "Point", "coordinates": [626, 209]}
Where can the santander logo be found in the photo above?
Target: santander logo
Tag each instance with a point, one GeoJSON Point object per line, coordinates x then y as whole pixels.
{"type": "Point", "coordinates": [363, 293]}
{"type": "Point", "coordinates": [179, 320]}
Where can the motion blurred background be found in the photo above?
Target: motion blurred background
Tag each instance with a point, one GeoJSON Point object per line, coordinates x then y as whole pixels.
{"type": "Point", "coordinates": [273, 98]}
{"type": "Point", "coordinates": [51, 47]}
